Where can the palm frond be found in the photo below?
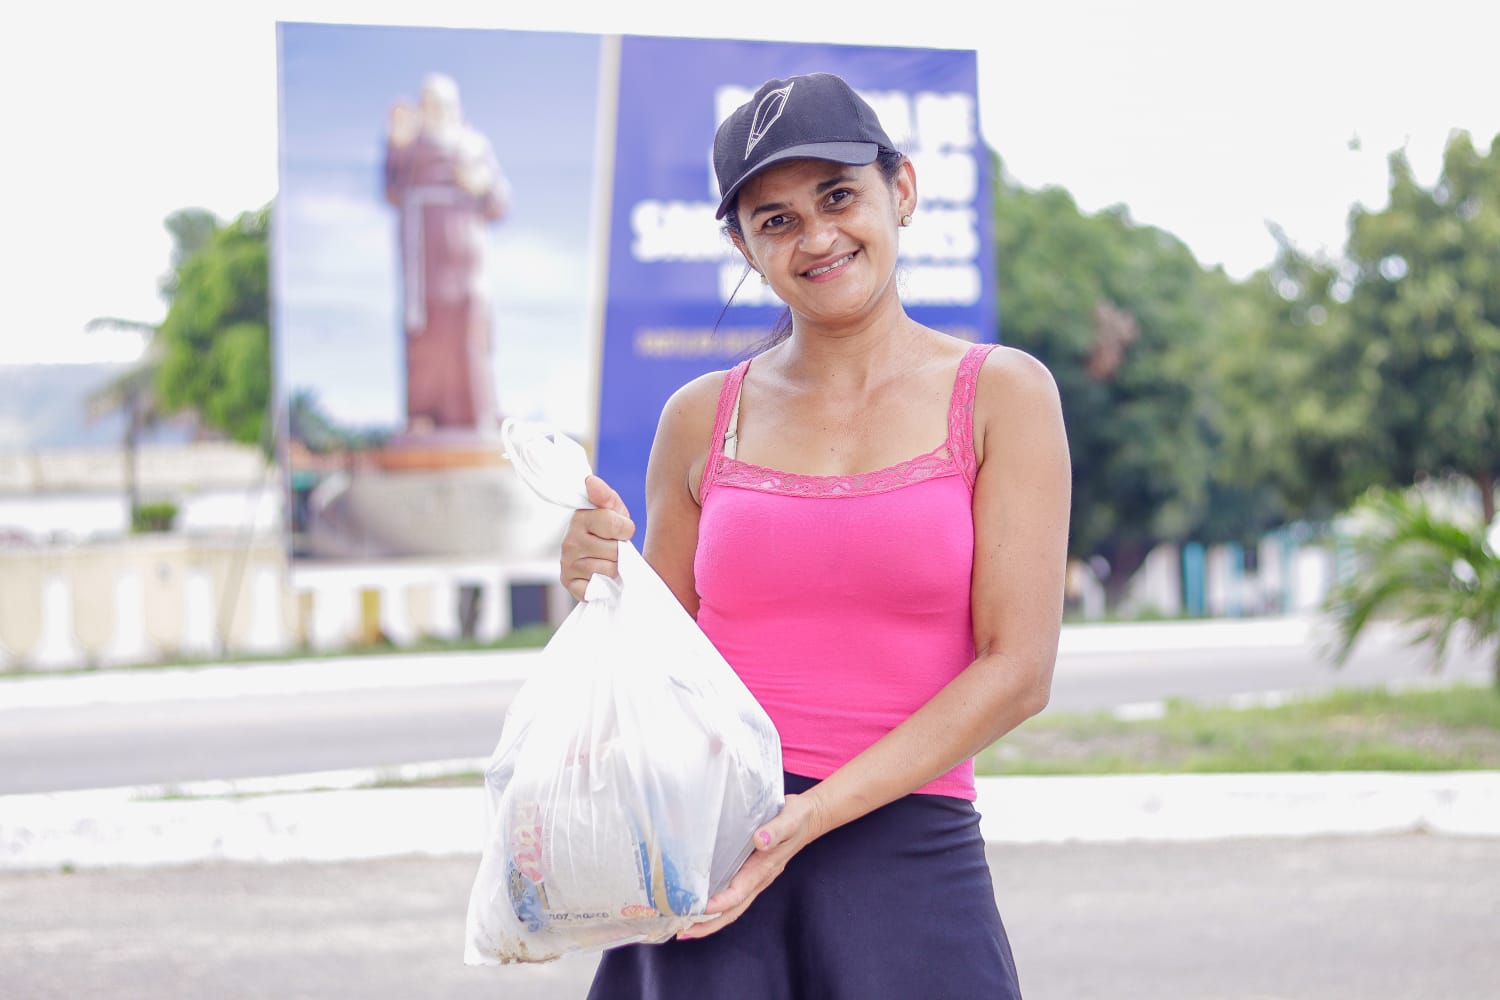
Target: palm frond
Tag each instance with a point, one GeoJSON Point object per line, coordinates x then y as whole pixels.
{"type": "Point", "coordinates": [1437, 576]}
{"type": "Point", "coordinates": [118, 323]}
{"type": "Point", "coordinates": [132, 392]}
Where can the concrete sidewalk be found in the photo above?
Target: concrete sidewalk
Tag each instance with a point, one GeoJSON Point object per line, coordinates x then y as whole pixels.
{"type": "Point", "coordinates": [115, 827]}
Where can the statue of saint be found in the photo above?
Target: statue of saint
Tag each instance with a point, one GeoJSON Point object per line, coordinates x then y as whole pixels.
{"type": "Point", "coordinates": [443, 179]}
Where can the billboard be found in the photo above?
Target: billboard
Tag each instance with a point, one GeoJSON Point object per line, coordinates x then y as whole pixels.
{"type": "Point", "coordinates": [479, 223]}
{"type": "Point", "coordinates": [676, 304]}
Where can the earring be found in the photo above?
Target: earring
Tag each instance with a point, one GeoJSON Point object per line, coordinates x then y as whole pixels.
{"type": "Point", "coordinates": [905, 220]}
{"type": "Point", "coordinates": [763, 279]}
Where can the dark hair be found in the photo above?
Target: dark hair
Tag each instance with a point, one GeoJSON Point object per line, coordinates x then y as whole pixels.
{"type": "Point", "coordinates": [887, 160]}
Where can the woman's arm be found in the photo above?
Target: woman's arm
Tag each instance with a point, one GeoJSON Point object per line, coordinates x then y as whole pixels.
{"type": "Point", "coordinates": [1021, 504]}
{"type": "Point", "coordinates": [678, 453]}
{"type": "Point", "coordinates": [1022, 497]}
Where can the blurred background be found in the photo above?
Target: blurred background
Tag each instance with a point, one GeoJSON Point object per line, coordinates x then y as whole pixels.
{"type": "Point", "coordinates": [1260, 271]}
{"type": "Point", "coordinates": [276, 271]}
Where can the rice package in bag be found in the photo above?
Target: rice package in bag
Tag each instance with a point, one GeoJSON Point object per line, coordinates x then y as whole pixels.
{"type": "Point", "coordinates": [632, 767]}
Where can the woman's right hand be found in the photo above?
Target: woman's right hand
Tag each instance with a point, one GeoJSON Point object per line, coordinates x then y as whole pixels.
{"type": "Point", "coordinates": [592, 542]}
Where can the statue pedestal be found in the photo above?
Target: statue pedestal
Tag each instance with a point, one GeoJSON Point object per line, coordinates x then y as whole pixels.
{"type": "Point", "coordinates": [436, 450]}
{"type": "Point", "coordinates": [436, 494]}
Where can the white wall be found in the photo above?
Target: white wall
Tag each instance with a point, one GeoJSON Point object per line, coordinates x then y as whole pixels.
{"type": "Point", "coordinates": [168, 597]}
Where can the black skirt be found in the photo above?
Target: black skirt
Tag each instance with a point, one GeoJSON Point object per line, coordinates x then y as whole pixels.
{"type": "Point", "coordinates": [897, 905]}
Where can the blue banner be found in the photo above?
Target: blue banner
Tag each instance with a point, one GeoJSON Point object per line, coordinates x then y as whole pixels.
{"type": "Point", "coordinates": [677, 305]}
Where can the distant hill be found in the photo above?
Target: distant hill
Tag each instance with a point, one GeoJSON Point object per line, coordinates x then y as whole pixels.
{"type": "Point", "coordinates": [43, 407]}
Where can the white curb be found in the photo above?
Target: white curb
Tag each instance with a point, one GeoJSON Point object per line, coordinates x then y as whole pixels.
{"type": "Point", "coordinates": [109, 828]}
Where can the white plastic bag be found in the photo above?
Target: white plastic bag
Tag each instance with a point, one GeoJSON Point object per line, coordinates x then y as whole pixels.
{"type": "Point", "coordinates": [632, 767]}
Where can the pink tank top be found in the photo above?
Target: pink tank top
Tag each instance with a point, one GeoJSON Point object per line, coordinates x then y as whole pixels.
{"type": "Point", "coordinates": [842, 601]}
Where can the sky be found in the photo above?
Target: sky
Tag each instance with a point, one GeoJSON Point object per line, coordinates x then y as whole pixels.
{"type": "Point", "coordinates": [1207, 120]}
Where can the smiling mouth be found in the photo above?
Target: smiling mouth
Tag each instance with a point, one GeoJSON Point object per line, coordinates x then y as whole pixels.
{"type": "Point", "coordinates": [829, 267]}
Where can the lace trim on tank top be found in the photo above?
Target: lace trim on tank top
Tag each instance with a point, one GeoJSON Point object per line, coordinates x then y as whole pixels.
{"type": "Point", "coordinates": [955, 456]}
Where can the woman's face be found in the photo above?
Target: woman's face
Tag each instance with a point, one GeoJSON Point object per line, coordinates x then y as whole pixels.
{"type": "Point", "coordinates": [824, 234]}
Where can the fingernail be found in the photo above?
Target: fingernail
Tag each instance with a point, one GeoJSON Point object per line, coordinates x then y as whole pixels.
{"type": "Point", "coordinates": [765, 838]}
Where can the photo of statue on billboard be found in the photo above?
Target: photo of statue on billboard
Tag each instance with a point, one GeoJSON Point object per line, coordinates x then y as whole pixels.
{"type": "Point", "coordinates": [442, 178]}
{"type": "Point", "coordinates": [433, 257]}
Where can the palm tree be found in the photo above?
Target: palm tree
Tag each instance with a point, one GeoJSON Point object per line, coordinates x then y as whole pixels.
{"type": "Point", "coordinates": [132, 393]}
{"type": "Point", "coordinates": [135, 392]}
{"type": "Point", "coordinates": [1433, 574]}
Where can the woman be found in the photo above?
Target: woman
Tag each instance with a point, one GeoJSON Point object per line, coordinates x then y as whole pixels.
{"type": "Point", "coordinates": [869, 520]}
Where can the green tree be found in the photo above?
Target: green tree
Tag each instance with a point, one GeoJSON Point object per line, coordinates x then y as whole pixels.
{"type": "Point", "coordinates": [1121, 314]}
{"type": "Point", "coordinates": [191, 230]}
{"type": "Point", "coordinates": [1292, 403]}
{"type": "Point", "coordinates": [215, 339]}
{"type": "Point", "coordinates": [1425, 317]}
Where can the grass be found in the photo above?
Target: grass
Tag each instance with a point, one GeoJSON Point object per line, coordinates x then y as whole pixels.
{"type": "Point", "coordinates": [1446, 729]}
{"type": "Point", "coordinates": [460, 779]}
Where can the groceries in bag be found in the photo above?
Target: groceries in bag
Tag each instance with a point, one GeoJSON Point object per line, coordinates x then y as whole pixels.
{"type": "Point", "coordinates": [631, 769]}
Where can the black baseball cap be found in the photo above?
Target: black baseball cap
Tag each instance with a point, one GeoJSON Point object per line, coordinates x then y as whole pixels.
{"type": "Point", "coordinates": [817, 116]}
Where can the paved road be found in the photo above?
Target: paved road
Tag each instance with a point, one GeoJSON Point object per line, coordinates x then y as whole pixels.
{"type": "Point", "coordinates": [1366, 918]}
{"type": "Point", "coordinates": [102, 746]}
{"type": "Point", "coordinates": [449, 708]}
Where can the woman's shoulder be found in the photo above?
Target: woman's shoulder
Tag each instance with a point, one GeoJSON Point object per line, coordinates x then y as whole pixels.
{"type": "Point", "coordinates": [700, 394]}
{"type": "Point", "coordinates": [689, 412]}
{"type": "Point", "coordinates": [684, 436]}
{"type": "Point", "coordinates": [1016, 399]}
{"type": "Point", "coordinates": [1009, 373]}
{"type": "Point", "coordinates": [1004, 372]}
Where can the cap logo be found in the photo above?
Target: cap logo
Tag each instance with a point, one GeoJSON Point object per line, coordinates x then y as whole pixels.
{"type": "Point", "coordinates": [766, 114]}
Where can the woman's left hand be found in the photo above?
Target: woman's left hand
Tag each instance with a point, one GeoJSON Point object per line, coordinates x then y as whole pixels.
{"type": "Point", "coordinates": [798, 824]}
